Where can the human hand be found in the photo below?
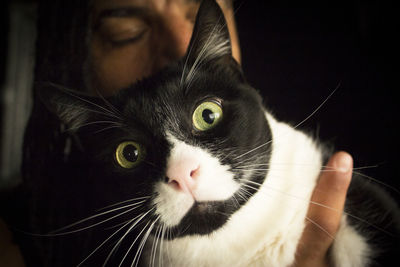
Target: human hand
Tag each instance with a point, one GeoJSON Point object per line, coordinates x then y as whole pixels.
{"type": "Point", "coordinates": [325, 212]}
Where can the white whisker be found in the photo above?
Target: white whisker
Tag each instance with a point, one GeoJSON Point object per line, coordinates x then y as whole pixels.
{"type": "Point", "coordinates": [254, 149]}
{"type": "Point", "coordinates": [113, 109]}
{"type": "Point", "coordinates": [133, 243]}
{"type": "Point", "coordinates": [125, 201]}
{"type": "Point", "coordinates": [54, 233]}
{"type": "Point", "coordinates": [124, 235]}
{"type": "Point", "coordinates": [135, 261]}
{"type": "Point", "coordinates": [320, 227]}
{"type": "Point", "coordinates": [160, 258]}
{"type": "Point", "coordinates": [379, 182]}
{"type": "Point", "coordinates": [318, 108]}
{"type": "Point", "coordinates": [107, 128]}
{"type": "Point", "coordinates": [95, 122]}
{"type": "Point", "coordinates": [105, 241]}
{"type": "Point", "coordinates": [69, 92]}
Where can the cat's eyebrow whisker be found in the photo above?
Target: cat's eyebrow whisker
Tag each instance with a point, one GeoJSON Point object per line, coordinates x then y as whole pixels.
{"type": "Point", "coordinates": [95, 122]}
{"type": "Point", "coordinates": [69, 92]}
{"type": "Point", "coordinates": [107, 114]}
{"type": "Point", "coordinates": [108, 128]}
{"type": "Point", "coordinates": [113, 109]}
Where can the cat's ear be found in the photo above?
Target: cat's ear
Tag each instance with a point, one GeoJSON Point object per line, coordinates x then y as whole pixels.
{"type": "Point", "coordinates": [71, 107]}
{"type": "Point", "coordinates": [210, 42]}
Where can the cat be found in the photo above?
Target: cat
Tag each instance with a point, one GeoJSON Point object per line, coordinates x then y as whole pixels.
{"type": "Point", "coordinates": [188, 168]}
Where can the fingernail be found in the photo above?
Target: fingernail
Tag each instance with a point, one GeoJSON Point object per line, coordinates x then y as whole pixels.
{"type": "Point", "coordinates": [344, 163]}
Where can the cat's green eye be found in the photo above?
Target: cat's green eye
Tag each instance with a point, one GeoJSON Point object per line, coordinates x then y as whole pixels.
{"type": "Point", "coordinates": [129, 154]}
{"type": "Point", "coordinates": [207, 115]}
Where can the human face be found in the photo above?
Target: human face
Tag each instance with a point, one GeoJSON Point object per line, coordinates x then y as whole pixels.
{"type": "Point", "coordinates": [132, 39]}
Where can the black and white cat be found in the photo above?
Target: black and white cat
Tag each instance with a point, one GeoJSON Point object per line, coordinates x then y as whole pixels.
{"type": "Point", "coordinates": [194, 171]}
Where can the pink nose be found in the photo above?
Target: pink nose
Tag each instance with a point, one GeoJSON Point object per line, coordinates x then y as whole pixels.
{"type": "Point", "coordinates": [182, 174]}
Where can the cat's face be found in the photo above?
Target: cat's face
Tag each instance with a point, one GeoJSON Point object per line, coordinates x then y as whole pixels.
{"type": "Point", "coordinates": [182, 142]}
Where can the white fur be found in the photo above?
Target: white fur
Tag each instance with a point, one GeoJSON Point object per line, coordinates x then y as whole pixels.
{"type": "Point", "coordinates": [350, 249]}
{"type": "Point", "coordinates": [265, 231]}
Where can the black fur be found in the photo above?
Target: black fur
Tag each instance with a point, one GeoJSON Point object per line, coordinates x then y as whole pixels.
{"type": "Point", "coordinates": [374, 213]}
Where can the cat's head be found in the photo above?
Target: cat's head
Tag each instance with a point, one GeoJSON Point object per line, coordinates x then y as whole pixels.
{"type": "Point", "coordinates": [184, 143]}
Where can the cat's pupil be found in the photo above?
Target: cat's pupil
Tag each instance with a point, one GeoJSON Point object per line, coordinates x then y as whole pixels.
{"type": "Point", "coordinates": [131, 153]}
{"type": "Point", "coordinates": [208, 116]}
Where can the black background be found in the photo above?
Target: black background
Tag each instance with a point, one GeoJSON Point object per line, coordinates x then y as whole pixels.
{"type": "Point", "coordinates": [297, 56]}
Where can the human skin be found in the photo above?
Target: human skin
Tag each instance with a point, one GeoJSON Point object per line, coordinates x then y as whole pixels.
{"type": "Point", "coordinates": [125, 47]}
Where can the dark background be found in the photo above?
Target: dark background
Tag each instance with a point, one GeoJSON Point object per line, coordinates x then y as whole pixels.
{"type": "Point", "coordinates": [297, 56]}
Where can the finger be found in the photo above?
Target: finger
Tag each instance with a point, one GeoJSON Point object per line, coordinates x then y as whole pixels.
{"type": "Point", "coordinates": [327, 201]}
{"type": "Point", "coordinates": [325, 210]}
